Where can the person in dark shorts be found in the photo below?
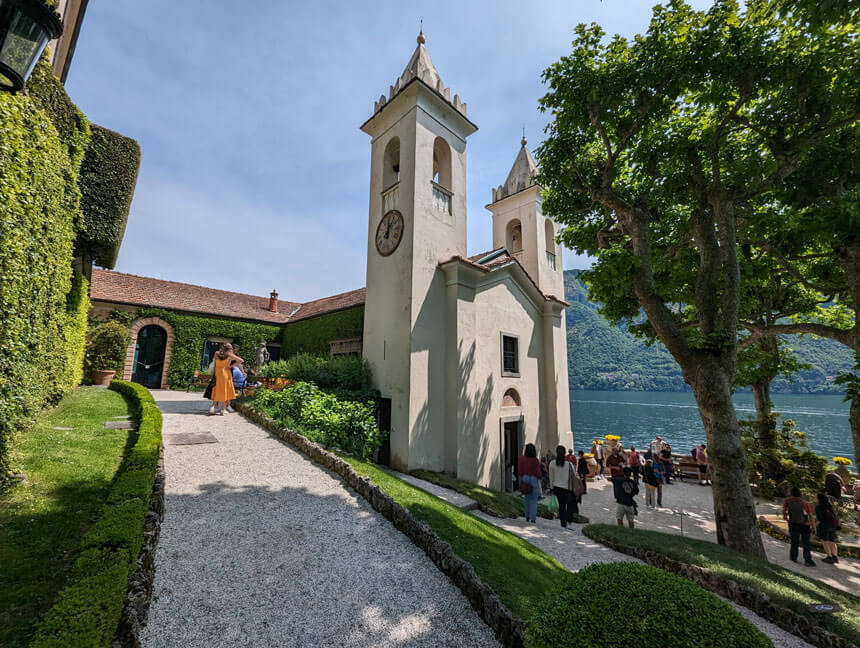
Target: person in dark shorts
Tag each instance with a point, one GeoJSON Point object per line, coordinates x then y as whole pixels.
{"type": "Point", "coordinates": [828, 525]}
{"type": "Point", "coordinates": [801, 522]}
{"type": "Point", "coordinates": [582, 470]}
{"type": "Point", "coordinates": [625, 504]}
{"type": "Point", "coordinates": [666, 465]}
{"type": "Point", "coordinates": [702, 461]}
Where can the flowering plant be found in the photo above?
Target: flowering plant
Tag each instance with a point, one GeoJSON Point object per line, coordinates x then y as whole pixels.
{"type": "Point", "coordinates": [588, 454]}
{"type": "Point", "coordinates": [842, 461]}
{"type": "Point", "coordinates": [612, 437]}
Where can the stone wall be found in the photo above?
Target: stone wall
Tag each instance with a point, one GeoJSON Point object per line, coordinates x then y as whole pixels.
{"type": "Point", "coordinates": [509, 629]}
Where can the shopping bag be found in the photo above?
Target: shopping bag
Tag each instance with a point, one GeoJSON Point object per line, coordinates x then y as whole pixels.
{"type": "Point", "coordinates": [553, 504]}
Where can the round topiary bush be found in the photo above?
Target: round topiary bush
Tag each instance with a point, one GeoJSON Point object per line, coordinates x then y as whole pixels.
{"type": "Point", "coordinates": [629, 604]}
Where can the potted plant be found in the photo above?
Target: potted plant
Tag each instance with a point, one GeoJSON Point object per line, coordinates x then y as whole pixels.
{"type": "Point", "coordinates": [613, 440]}
{"type": "Point", "coordinates": [106, 348]}
{"type": "Point", "coordinates": [842, 464]}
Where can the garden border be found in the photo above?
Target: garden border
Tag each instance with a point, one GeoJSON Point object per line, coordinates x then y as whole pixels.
{"type": "Point", "coordinates": [509, 629]}
{"type": "Point", "coordinates": [756, 601]}
{"type": "Point", "coordinates": [108, 583]}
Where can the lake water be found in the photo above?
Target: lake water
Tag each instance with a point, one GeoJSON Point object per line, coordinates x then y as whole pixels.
{"type": "Point", "coordinates": [637, 417]}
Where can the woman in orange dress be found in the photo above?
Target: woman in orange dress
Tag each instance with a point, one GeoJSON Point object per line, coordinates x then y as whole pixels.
{"type": "Point", "coordinates": [223, 392]}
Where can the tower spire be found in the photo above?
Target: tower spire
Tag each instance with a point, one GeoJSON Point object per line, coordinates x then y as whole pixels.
{"type": "Point", "coordinates": [421, 40]}
{"type": "Point", "coordinates": [523, 140]}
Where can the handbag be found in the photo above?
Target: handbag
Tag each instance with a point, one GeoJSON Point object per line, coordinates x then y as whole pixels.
{"type": "Point", "coordinates": [208, 391]}
{"type": "Point", "coordinates": [552, 505]}
{"type": "Point", "coordinates": [574, 483]}
{"type": "Point", "coordinates": [525, 487]}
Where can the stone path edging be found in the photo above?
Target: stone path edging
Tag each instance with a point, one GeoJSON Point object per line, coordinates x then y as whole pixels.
{"type": "Point", "coordinates": [509, 629]}
{"type": "Point", "coordinates": [139, 594]}
{"type": "Point", "coordinates": [758, 602]}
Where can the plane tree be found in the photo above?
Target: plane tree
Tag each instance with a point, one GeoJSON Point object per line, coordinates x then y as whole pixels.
{"type": "Point", "coordinates": [656, 150]}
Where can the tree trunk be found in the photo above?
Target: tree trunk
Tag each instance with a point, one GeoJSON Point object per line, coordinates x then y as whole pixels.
{"type": "Point", "coordinates": [854, 417]}
{"type": "Point", "coordinates": [734, 507]}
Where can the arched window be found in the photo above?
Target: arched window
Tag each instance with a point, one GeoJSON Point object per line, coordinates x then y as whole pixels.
{"type": "Point", "coordinates": [442, 163]}
{"type": "Point", "coordinates": [550, 243]}
{"type": "Point", "coordinates": [511, 398]}
{"type": "Point", "coordinates": [391, 163]}
{"type": "Point", "coordinates": [514, 237]}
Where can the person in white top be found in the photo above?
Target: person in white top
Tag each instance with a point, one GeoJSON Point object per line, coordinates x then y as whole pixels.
{"type": "Point", "coordinates": [597, 451]}
{"type": "Point", "coordinates": [655, 447]}
{"type": "Point", "coordinates": [560, 470]}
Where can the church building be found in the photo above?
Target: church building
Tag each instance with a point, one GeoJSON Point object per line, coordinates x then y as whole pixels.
{"type": "Point", "coordinates": [471, 350]}
{"type": "Point", "coordinates": [469, 353]}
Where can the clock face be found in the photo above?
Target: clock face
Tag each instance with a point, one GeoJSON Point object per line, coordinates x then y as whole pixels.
{"type": "Point", "coordinates": [389, 233]}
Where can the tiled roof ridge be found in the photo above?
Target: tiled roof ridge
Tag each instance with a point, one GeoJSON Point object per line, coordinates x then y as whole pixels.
{"type": "Point", "coordinates": [330, 304]}
{"type": "Point", "coordinates": [190, 285]}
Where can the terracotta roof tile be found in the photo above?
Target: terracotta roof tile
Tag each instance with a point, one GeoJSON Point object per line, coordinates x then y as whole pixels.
{"type": "Point", "coordinates": [329, 305]}
{"type": "Point", "coordinates": [122, 288]}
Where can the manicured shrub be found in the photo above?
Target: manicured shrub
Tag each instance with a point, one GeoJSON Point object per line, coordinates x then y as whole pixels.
{"type": "Point", "coordinates": [88, 609]}
{"type": "Point", "coordinates": [323, 417]}
{"type": "Point", "coordinates": [347, 373]}
{"type": "Point", "coordinates": [107, 343]}
{"type": "Point", "coordinates": [630, 604]}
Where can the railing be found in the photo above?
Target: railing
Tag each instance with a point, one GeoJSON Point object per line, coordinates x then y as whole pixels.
{"type": "Point", "coordinates": [441, 198]}
{"type": "Point", "coordinates": [550, 260]}
{"type": "Point", "coordinates": [391, 198]}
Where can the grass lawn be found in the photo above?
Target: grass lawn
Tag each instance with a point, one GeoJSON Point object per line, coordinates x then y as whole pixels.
{"type": "Point", "coordinates": [496, 503]}
{"type": "Point", "coordinates": [70, 474]}
{"type": "Point", "coordinates": [519, 573]}
{"type": "Point", "coordinates": [788, 588]}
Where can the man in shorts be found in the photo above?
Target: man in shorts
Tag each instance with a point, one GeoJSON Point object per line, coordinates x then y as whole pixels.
{"type": "Point", "coordinates": [625, 506]}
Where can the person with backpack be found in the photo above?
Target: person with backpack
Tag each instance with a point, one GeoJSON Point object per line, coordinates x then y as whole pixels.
{"type": "Point", "coordinates": [828, 525]}
{"type": "Point", "coordinates": [635, 463]}
{"type": "Point", "coordinates": [801, 522]}
{"type": "Point", "coordinates": [624, 497]}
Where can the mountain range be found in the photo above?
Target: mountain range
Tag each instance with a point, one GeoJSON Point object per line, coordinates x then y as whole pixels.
{"type": "Point", "coordinates": [607, 357]}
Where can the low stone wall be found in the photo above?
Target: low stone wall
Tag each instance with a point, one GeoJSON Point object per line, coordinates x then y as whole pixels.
{"type": "Point", "coordinates": [509, 629]}
{"type": "Point", "coordinates": [749, 598]}
{"type": "Point", "coordinates": [139, 593]}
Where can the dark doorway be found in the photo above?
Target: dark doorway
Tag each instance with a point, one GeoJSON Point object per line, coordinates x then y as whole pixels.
{"type": "Point", "coordinates": [383, 456]}
{"type": "Point", "coordinates": [149, 356]}
{"type": "Point", "coordinates": [512, 441]}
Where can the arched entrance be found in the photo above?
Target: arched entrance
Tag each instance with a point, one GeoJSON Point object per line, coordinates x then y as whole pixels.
{"type": "Point", "coordinates": [512, 430]}
{"type": "Point", "coordinates": [147, 359]}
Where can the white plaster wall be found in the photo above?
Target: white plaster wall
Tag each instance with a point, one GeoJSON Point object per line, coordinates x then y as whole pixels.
{"type": "Point", "coordinates": [500, 306]}
{"type": "Point", "coordinates": [565, 431]}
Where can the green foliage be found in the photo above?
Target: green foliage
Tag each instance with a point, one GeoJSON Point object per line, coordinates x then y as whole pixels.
{"type": "Point", "coordinates": [108, 176]}
{"type": "Point", "coordinates": [88, 610]}
{"type": "Point", "coordinates": [323, 417]}
{"type": "Point", "coordinates": [780, 460]}
{"type": "Point", "coordinates": [518, 572]}
{"type": "Point", "coordinates": [42, 136]}
{"type": "Point", "coordinates": [784, 587]}
{"type": "Point", "coordinates": [349, 373]}
{"type": "Point", "coordinates": [628, 604]}
{"type": "Point", "coordinates": [313, 335]}
{"type": "Point", "coordinates": [71, 370]}
{"type": "Point", "coordinates": [70, 474]}
{"type": "Point", "coordinates": [107, 344]}
{"type": "Point", "coordinates": [191, 331]}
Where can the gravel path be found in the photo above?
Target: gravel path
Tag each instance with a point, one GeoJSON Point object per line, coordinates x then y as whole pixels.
{"type": "Point", "coordinates": [574, 550]}
{"type": "Point", "coordinates": [261, 547]}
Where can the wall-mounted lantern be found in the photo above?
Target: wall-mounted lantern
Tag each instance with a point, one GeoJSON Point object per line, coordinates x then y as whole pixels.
{"type": "Point", "coordinates": [26, 26]}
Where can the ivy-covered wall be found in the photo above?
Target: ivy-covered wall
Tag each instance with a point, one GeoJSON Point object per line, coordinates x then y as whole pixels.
{"type": "Point", "coordinates": [313, 335]}
{"type": "Point", "coordinates": [42, 140]}
{"type": "Point", "coordinates": [108, 176]}
{"type": "Point", "coordinates": [191, 331]}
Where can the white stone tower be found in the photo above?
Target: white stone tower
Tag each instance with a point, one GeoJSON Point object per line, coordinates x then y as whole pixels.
{"type": "Point", "coordinates": [520, 226]}
{"type": "Point", "coordinates": [417, 219]}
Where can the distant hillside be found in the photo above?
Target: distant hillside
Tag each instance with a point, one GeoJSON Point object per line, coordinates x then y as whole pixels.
{"type": "Point", "coordinates": [602, 356]}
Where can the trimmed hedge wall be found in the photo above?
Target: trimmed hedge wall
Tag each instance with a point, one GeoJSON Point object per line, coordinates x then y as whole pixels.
{"type": "Point", "coordinates": [88, 610]}
{"type": "Point", "coordinates": [42, 139]}
{"type": "Point", "coordinates": [313, 335]}
{"type": "Point", "coordinates": [191, 331]}
{"type": "Point", "coordinates": [108, 176]}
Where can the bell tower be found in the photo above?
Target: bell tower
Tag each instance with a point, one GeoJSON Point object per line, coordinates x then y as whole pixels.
{"type": "Point", "coordinates": [520, 226]}
{"type": "Point", "coordinates": [416, 219]}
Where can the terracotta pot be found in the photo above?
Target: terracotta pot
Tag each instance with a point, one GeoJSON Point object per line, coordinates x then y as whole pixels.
{"type": "Point", "coordinates": [103, 377]}
{"type": "Point", "coordinates": [612, 443]}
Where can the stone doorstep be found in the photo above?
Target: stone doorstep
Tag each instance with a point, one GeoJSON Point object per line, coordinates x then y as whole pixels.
{"type": "Point", "coordinates": [453, 498]}
{"type": "Point", "coordinates": [68, 429]}
{"type": "Point", "coordinates": [189, 438]}
{"type": "Point", "coordinates": [120, 425]}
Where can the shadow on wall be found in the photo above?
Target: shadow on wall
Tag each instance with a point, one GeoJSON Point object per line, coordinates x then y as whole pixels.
{"type": "Point", "coordinates": [253, 565]}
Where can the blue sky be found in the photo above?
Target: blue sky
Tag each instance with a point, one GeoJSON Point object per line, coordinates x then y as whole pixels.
{"type": "Point", "coordinates": [255, 174]}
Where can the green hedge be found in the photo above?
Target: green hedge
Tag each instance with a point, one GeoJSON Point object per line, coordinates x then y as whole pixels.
{"type": "Point", "coordinates": [191, 331]}
{"type": "Point", "coordinates": [42, 139]}
{"type": "Point", "coordinates": [313, 335]}
{"type": "Point", "coordinates": [628, 604]}
{"type": "Point", "coordinates": [108, 176]}
{"type": "Point", "coordinates": [88, 609]}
